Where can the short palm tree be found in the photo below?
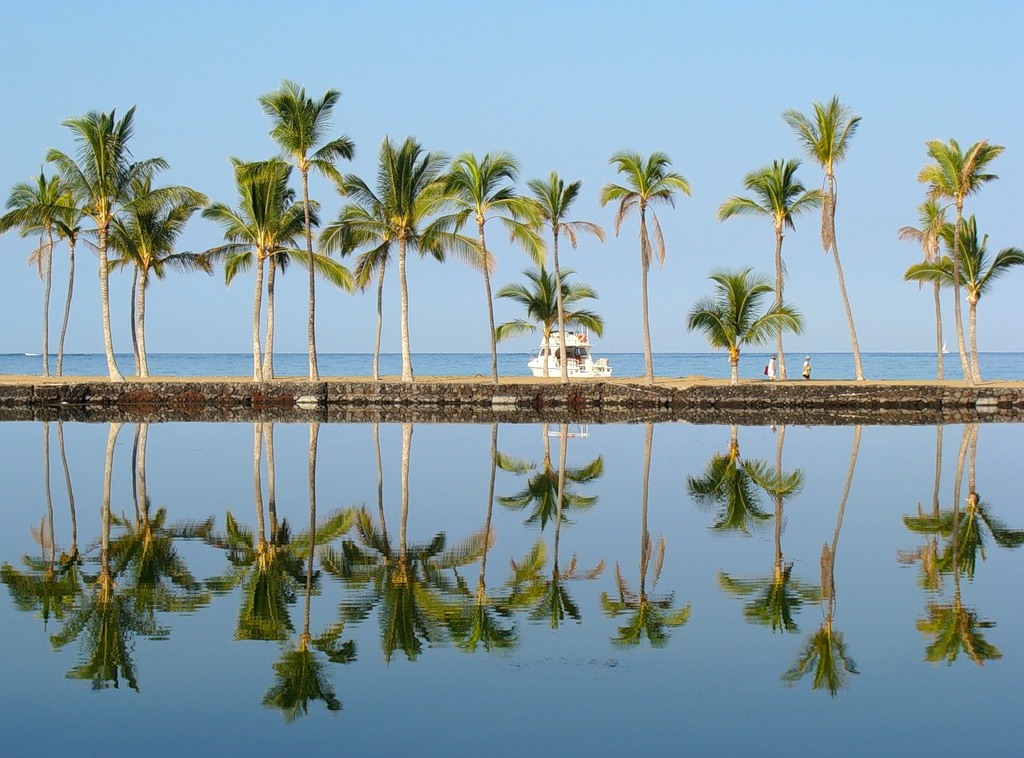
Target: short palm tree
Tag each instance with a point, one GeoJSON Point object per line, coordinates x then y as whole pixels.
{"type": "Point", "coordinates": [481, 189]}
{"type": "Point", "coordinates": [730, 484]}
{"type": "Point", "coordinates": [931, 217]}
{"type": "Point", "coordinates": [102, 179]}
{"type": "Point", "coordinates": [143, 238]}
{"type": "Point", "coordinates": [978, 273]}
{"type": "Point", "coordinates": [732, 317]}
{"type": "Point", "coordinates": [69, 227]}
{"type": "Point", "coordinates": [779, 196]}
{"type": "Point", "coordinates": [541, 303]}
{"type": "Point", "coordinates": [300, 124]}
{"type": "Point", "coordinates": [409, 192]}
{"type": "Point", "coordinates": [647, 182]}
{"type": "Point", "coordinates": [953, 176]}
{"type": "Point", "coordinates": [826, 138]}
{"type": "Point", "coordinates": [552, 199]}
{"type": "Point", "coordinates": [33, 207]}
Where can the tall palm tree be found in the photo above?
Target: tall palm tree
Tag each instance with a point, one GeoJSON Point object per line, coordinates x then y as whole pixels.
{"type": "Point", "coordinates": [931, 217]}
{"type": "Point", "coordinates": [778, 196]}
{"type": "Point", "coordinates": [732, 318]}
{"type": "Point", "coordinates": [102, 179]}
{"type": "Point", "coordinates": [953, 176]}
{"type": "Point", "coordinates": [826, 138]}
{"type": "Point", "coordinates": [541, 303]}
{"type": "Point", "coordinates": [69, 227]}
{"type": "Point", "coordinates": [648, 182]}
{"type": "Point", "coordinates": [978, 273]}
{"type": "Point", "coordinates": [553, 199]}
{"type": "Point", "coordinates": [33, 207]}
{"type": "Point", "coordinates": [410, 190]}
{"type": "Point", "coordinates": [143, 238]}
{"type": "Point", "coordinates": [300, 123]}
{"type": "Point", "coordinates": [481, 189]}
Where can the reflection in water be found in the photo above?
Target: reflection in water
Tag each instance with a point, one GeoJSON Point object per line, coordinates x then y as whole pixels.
{"type": "Point", "coordinates": [952, 626]}
{"type": "Point", "coordinates": [825, 651]}
{"type": "Point", "coordinates": [730, 485]}
{"type": "Point", "coordinates": [774, 598]}
{"type": "Point", "coordinates": [648, 615]}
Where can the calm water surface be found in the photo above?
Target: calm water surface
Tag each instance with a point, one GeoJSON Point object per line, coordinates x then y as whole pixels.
{"type": "Point", "coordinates": [697, 589]}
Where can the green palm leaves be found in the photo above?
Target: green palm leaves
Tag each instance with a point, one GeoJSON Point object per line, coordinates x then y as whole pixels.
{"type": "Point", "coordinates": [647, 183]}
{"type": "Point", "coordinates": [732, 317]}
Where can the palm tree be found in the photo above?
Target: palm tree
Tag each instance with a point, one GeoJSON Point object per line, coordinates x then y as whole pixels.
{"type": "Point", "coordinates": [300, 124]}
{"type": "Point", "coordinates": [826, 138]}
{"type": "Point", "coordinates": [33, 207]}
{"type": "Point", "coordinates": [953, 176]}
{"type": "Point", "coordinates": [978, 272]}
{"type": "Point", "coordinates": [541, 303]}
{"type": "Point", "coordinates": [648, 182]}
{"type": "Point", "coordinates": [731, 483]}
{"type": "Point", "coordinates": [69, 226]}
{"type": "Point", "coordinates": [553, 199]}
{"type": "Point", "coordinates": [410, 189]}
{"type": "Point", "coordinates": [780, 197]}
{"type": "Point", "coordinates": [483, 189]}
{"type": "Point", "coordinates": [144, 238]}
{"type": "Point", "coordinates": [731, 318]}
{"type": "Point", "coordinates": [102, 179]}
{"type": "Point", "coordinates": [932, 217]}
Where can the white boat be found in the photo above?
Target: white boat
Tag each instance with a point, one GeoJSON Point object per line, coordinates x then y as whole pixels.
{"type": "Point", "coordinates": [944, 348]}
{"type": "Point", "coordinates": [579, 362]}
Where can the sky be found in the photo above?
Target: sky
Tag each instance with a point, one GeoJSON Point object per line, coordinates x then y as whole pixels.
{"type": "Point", "coordinates": [563, 86]}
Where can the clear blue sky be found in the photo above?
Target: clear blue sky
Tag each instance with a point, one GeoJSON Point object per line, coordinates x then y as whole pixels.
{"type": "Point", "coordinates": [562, 85]}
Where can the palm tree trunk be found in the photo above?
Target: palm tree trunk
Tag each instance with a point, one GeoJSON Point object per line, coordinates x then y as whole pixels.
{"type": "Point", "coordinates": [645, 538]}
{"type": "Point", "coordinates": [106, 581]}
{"type": "Point", "coordinates": [257, 488]}
{"type": "Point", "coordinates": [941, 374]}
{"type": "Point", "coordinates": [140, 474]}
{"type": "Point", "coordinates": [644, 266]}
{"type": "Point", "coordinates": [314, 433]}
{"type": "Point", "coordinates": [47, 266]}
{"type": "Point", "coordinates": [734, 368]}
{"type": "Point", "coordinates": [380, 485]}
{"type": "Point", "coordinates": [73, 549]}
{"type": "Point", "coordinates": [268, 440]}
{"type": "Point", "coordinates": [563, 435]}
{"type": "Point", "coordinates": [46, 536]}
{"type": "Point", "coordinates": [268, 345]}
{"type": "Point", "coordinates": [67, 308]}
{"type": "Point", "coordinates": [406, 455]}
{"type": "Point", "coordinates": [314, 370]}
{"type": "Point", "coordinates": [108, 340]}
{"type": "Point", "coordinates": [403, 287]}
{"type": "Point", "coordinates": [846, 492]}
{"type": "Point", "coordinates": [972, 306]}
{"type": "Point", "coordinates": [938, 471]}
{"type": "Point", "coordinates": [961, 344]}
{"type": "Point", "coordinates": [257, 307]}
{"type": "Point", "coordinates": [481, 584]}
{"type": "Point", "coordinates": [778, 297]}
{"type": "Point", "coordinates": [490, 303]}
{"type": "Point", "coordinates": [140, 323]}
{"type": "Point", "coordinates": [132, 319]}
{"type": "Point", "coordinates": [858, 368]}
{"type": "Point", "coordinates": [380, 324]}
{"type": "Point", "coordinates": [560, 308]}
{"type": "Point", "coordinates": [778, 504]}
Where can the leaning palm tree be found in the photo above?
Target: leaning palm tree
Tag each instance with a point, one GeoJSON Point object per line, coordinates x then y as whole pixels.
{"type": "Point", "coordinates": [978, 273]}
{"type": "Point", "coordinates": [33, 207]}
{"type": "Point", "coordinates": [144, 238]}
{"type": "Point", "coordinates": [552, 199]}
{"type": "Point", "coordinates": [102, 178]}
{"type": "Point", "coordinates": [648, 182]}
{"type": "Point", "coordinates": [299, 125]}
{"type": "Point", "coordinates": [953, 176]}
{"type": "Point", "coordinates": [410, 190]}
{"type": "Point", "coordinates": [732, 317]}
{"type": "Point", "coordinates": [932, 217]}
{"type": "Point", "coordinates": [778, 196]}
{"type": "Point", "coordinates": [541, 303]}
{"type": "Point", "coordinates": [69, 227]}
{"type": "Point", "coordinates": [826, 138]}
{"type": "Point", "coordinates": [482, 189]}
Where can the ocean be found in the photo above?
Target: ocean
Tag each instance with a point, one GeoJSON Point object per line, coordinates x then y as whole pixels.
{"type": "Point", "coordinates": [893, 366]}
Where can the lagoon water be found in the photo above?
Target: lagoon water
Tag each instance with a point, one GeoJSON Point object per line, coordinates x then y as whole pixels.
{"type": "Point", "coordinates": [713, 365]}
{"type": "Point", "coordinates": [859, 603]}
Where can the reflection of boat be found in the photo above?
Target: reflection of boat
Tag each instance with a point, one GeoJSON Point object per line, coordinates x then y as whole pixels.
{"type": "Point", "coordinates": [573, 431]}
{"type": "Point", "coordinates": [579, 361]}
{"type": "Point", "coordinates": [944, 348]}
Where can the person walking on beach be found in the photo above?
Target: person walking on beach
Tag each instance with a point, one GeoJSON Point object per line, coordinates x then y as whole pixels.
{"type": "Point", "coordinates": [771, 369]}
{"type": "Point", "coordinates": [807, 367]}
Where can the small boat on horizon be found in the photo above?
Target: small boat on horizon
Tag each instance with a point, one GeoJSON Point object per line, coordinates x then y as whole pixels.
{"type": "Point", "coordinates": [579, 362]}
{"type": "Point", "coordinates": [944, 348]}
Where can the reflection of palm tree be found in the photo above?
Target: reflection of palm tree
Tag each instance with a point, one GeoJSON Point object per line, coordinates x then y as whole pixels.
{"type": "Point", "coordinates": [300, 672]}
{"type": "Point", "coordinates": [407, 584]}
{"type": "Point", "coordinates": [731, 485]}
{"type": "Point", "coordinates": [775, 597]}
{"type": "Point", "coordinates": [825, 651]}
{"type": "Point", "coordinates": [650, 615]}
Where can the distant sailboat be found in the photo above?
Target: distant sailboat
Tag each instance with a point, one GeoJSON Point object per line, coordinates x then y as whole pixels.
{"type": "Point", "coordinates": [944, 348]}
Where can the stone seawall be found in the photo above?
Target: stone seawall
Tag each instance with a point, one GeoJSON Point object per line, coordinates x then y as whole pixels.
{"type": "Point", "coordinates": [461, 400]}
